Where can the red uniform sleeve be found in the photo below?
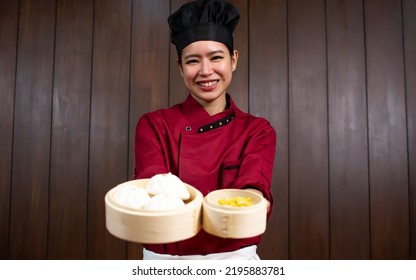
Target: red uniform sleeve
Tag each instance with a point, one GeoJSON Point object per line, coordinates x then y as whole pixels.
{"type": "Point", "coordinates": [256, 165]}
{"type": "Point", "coordinates": [149, 156]}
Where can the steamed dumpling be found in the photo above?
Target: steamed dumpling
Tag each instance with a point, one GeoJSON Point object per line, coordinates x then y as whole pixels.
{"type": "Point", "coordinates": [132, 196]}
{"type": "Point", "coordinates": [164, 202]}
{"type": "Point", "coordinates": [168, 184]}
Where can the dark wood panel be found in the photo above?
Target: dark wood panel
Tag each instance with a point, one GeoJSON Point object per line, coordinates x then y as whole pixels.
{"type": "Point", "coordinates": [409, 23]}
{"type": "Point", "coordinates": [387, 131]}
{"type": "Point", "coordinates": [353, 197]}
{"type": "Point", "coordinates": [269, 99]}
{"type": "Point", "coordinates": [109, 120]}
{"type": "Point", "coordinates": [308, 131]}
{"type": "Point", "coordinates": [70, 131]}
{"type": "Point", "coordinates": [349, 186]}
{"type": "Point", "coordinates": [149, 71]}
{"type": "Point", "coordinates": [239, 86]}
{"type": "Point", "coordinates": [31, 147]}
{"type": "Point", "coordinates": [177, 89]}
{"type": "Point", "coordinates": [8, 39]}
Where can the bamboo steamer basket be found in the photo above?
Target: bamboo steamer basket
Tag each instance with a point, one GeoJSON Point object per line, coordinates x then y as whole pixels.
{"type": "Point", "coordinates": [234, 222]}
{"type": "Point", "coordinates": [153, 226]}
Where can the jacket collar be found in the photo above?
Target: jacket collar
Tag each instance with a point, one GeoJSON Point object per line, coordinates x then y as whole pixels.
{"type": "Point", "coordinates": [194, 112]}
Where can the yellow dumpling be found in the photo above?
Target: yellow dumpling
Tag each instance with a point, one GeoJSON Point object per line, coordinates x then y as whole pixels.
{"type": "Point", "coordinates": [238, 201]}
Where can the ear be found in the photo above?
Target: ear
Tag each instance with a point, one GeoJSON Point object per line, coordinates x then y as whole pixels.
{"type": "Point", "coordinates": [234, 60]}
{"type": "Point", "coordinates": [178, 62]}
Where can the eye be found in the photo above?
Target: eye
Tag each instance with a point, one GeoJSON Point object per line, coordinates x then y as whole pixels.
{"type": "Point", "coordinates": [191, 61]}
{"type": "Point", "coordinates": [217, 58]}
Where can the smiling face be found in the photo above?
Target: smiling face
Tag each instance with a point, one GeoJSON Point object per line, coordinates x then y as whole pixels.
{"type": "Point", "coordinates": [207, 68]}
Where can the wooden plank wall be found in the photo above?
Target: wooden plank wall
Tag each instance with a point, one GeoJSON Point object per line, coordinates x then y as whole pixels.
{"type": "Point", "coordinates": [336, 78]}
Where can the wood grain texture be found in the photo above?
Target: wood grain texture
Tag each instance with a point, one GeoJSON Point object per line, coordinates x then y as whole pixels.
{"type": "Point", "coordinates": [9, 11]}
{"type": "Point", "coordinates": [177, 89]}
{"type": "Point", "coordinates": [269, 99]}
{"type": "Point", "coordinates": [409, 22]}
{"type": "Point", "coordinates": [336, 78]}
{"type": "Point", "coordinates": [149, 82]}
{"type": "Point", "coordinates": [389, 189]}
{"type": "Point", "coordinates": [70, 130]}
{"type": "Point", "coordinates": [240, 83]}
{"type": "Point", "coordinates": [108, 163]}
{"type": "Point", "coordinates": [308, 131]}
{"type": "Point", "coordinates": [32, 131]}
{"type": "Point", "coordinates": [348, 149]}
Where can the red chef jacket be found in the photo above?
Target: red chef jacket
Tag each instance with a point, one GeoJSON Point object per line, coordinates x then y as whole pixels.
{"type": "Point", "coordinates": [231, 149]}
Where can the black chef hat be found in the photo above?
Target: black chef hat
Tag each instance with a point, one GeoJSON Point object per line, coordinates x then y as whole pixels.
{"type": "Point", "coordinates": [211, 20]}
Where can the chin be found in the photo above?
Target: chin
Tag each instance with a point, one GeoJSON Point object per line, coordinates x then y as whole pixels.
{"type": "Point", "coordinates": [208, 96]}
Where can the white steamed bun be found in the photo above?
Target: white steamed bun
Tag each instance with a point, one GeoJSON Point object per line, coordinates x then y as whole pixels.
{"type": "Point", "coordinates": [168, 184]}
{"type": "Point", "coordinates": [164, 202]}
{"type": "Point", "coordinates": [132, 196]}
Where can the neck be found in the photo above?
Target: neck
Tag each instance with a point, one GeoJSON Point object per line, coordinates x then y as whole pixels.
{"type": "Point", "coordinates": [213, 109]}
{"type": "Point", "coordinates": [215, 106]}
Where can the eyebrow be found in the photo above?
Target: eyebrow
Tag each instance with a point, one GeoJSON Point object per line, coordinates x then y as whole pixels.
{"type": "Point", "coordinates": [209, 54]}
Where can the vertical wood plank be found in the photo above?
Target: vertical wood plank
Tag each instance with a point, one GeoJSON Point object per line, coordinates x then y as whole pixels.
{"type": "Point", "coordinates": [177, 89]}
{"type": "Point", "coordinates": [308, 148]}
{"type": "Point", "coordinates": [149, 71]}
{"type": "Point", "coordinates": [8, 37]}
{"type": "Point", "coordinates": [50, 190]}
{"type": "Point", "coordinates": [109, 120]}
{"type": "Point", "coordinates": [349, 198]}
{"type": "Point", "coordinates": [387, 131]}
{"type": "Point", "coordinates": [70, 131]}
{"type": "Point", "coordinates": [269, 99]}
{"type": "Point", "coordinates": [239, 86]}
{"type": "Point", "coordinates": [409, 23]}
{"type": "Point", "coordinates": [31, 147]}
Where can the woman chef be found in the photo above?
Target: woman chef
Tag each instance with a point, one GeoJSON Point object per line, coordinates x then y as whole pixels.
{"type": "Point", "coordinates": [206, 141]}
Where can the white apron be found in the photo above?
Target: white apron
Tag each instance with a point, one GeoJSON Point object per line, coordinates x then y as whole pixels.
{"type": "Point", "coordinates": [246, 253]}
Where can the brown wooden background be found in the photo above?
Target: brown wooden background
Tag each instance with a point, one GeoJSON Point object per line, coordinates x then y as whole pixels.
{"type": "Point", "coordinates": [336, 78]}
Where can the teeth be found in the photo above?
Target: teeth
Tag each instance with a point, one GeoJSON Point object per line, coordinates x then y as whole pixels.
{"type": "Point", "coordinates": [207, 84]}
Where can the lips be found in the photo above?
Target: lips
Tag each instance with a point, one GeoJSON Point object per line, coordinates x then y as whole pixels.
{"type": "Point", "coordinates": [207, 85]}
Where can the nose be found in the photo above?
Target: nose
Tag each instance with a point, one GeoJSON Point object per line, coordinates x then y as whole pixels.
{"type": "Point", "coordinates": [206, 67]}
